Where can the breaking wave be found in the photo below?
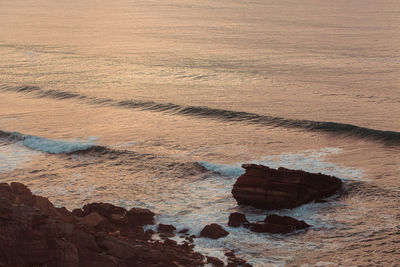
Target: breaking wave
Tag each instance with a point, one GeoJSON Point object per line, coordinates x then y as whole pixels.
{"type": "Point", "coordinates": [47, 145]}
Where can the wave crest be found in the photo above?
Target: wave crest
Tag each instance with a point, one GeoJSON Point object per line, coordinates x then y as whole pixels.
{"type": "Point", "coordinates": [47, 145]}
{"type": "Point", "coordinates": [335, 128]}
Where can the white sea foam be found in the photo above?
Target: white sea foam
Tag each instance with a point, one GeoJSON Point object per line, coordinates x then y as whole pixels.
{"type": "Point", "coordinates": [48, 145]}
{"type": "Point", "coordinates": [13, 157]}
{"type": "Point", "coordinates": [310, 160]}
{"type": "Point", "coordinates": [224, 169]}
{"type": "Point", "coordinates": [55, 146]}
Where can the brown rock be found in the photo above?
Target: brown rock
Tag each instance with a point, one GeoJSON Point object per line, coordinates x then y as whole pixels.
{"type": "Point", "coordinates": [184, 231]}
{"type": "Point", "coordinates": [171, 242]}
{"type": "Point", "coordinates": [166, 228]}
{"type": "Point", "coordinates": [140, 217]}
{"type": "Point", "coordinates": [234, 261]}
{"type": "Point", "coordinates": [110, 212]}
{"type": "Point", "coordinates": [263, 187]}
{"type": "Point", "coordinates": [149, 233]}
{"type": "Point", "coordinates": [286, 220]}
{"type": "Point", "coordinates": [215, 261]}
{"type": "Point", "coordinates": [213, 231]}
{"type": "Point", "coordinates": [78, 212]}
{"type": "Point", "coordinates": [236, 219]}
{"type": "Point", "coordinates": [93, 219]}
{"type": "Point", "coordinates": [276, 224]}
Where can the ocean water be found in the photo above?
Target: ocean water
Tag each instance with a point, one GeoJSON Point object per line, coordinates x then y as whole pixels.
{"type": "Point", "coordinates": [157, 104]}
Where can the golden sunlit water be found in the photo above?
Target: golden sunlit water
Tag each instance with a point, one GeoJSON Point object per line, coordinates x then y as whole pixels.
{"type": "Point", "coordinates": [157, 104]}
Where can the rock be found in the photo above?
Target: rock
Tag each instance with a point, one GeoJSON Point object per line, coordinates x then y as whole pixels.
{"type": "Point", "coordinates": [286, 220]}
{"type": "Point", "coordinates": [213, 231]}
{"type": "Point", "coordinates": [266, 188]}
{"type": "Point", "coordinates": [93, 219]}
{"type": "Point", "coordinates": [184, 231]}
{"type": "Point", "coordinates": [149, 233]}
{"type": "Point", "coordinates": [234, 261]}
{"type": "Point", "coordinates": [215, 261]}
{"type": "Point", "coordinates": [165, 228]}
{"type": "Point", "coordinates": [276, 224]}
{"type": "Point", "coordinates": [140, 217]}
{"type": "Point", "coordinates": [19, 193]}
{"type": "Point", "coordinates": [112, 213]}
{"type": "Point", "coordinates": [171, 242]}
{"type": "Point", "coordinates": [190, 239]}
{"type": "Point", "coordinates": [34, 233]}
{"type": "Point", "coordinates": [236, 219]}
{"type": "Point", "coordinates": [78, 212]}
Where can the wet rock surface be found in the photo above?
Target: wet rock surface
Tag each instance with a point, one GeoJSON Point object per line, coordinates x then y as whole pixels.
{"type": "Point", "coordinates": [236, 219]}
{"type": "Point", "coordinates": [273, 224]}
{"type": "Point", "coordinates": [266, 188]}
{"type": "Point", "coordinates": [214, 231]}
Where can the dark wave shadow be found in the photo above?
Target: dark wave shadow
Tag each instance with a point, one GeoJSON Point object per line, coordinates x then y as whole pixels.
{"type": "Point", "coordinates": [389, 138]}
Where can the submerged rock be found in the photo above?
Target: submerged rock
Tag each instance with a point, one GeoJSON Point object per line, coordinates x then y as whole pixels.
{"type": "Point", "coordinates": [273, 224]}
{"type": "Point", "coordinates": [266, 188]}
{"type": "Point", "coordinates": [276, 224]}
{"type": "Point", "coordinates": [35, 233]}
{"type": "Point", "coordinates": [213, 231]}
{"type": "Point", "coordinates": [286, 220]}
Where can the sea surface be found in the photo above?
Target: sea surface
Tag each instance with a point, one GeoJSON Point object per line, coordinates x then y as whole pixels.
{"type": "Point", "coordinates": [157, 104]}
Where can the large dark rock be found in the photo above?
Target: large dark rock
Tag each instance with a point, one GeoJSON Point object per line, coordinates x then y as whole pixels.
{"type": "Point", "coordinates": [276, 224]}
{"type": "Point", "coordinates": [266, 188]}
{"type": "Point", "coordinates": [35, 233]}
{"type": "Point", "coordinates": [213, 231]}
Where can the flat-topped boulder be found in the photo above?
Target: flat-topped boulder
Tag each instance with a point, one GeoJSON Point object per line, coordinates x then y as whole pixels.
{"type": "Point", "coordinates": [273, 189]}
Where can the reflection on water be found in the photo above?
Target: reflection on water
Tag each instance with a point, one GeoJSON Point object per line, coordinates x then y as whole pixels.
{"type": "Point", "coordinates": [180, 93]}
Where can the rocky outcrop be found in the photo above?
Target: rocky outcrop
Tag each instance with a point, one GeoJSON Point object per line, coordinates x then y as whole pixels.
{"type": "Point", "coordinates": [35, 233]}
{"type": "Point", "coordinates": [213, 231]}
{"type": "Point", "coordinates": [266, 188]}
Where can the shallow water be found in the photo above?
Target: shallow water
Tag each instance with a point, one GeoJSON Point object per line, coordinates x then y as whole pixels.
{"type": "Point", "coordinates": [158, 103]}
